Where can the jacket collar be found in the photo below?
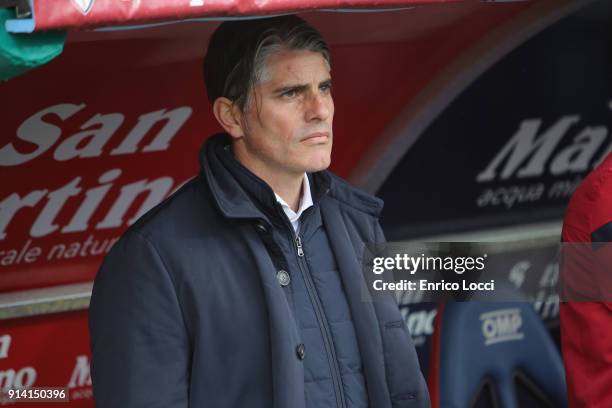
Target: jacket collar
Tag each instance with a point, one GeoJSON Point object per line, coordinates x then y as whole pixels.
{"type": "Point", "coordinates": [238, 193]}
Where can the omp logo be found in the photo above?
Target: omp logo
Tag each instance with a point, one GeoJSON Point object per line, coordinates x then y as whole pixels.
{"type": "Point", "coordinates": [502, 325]}
{"type": "Point", "coordinates": [84, 6]}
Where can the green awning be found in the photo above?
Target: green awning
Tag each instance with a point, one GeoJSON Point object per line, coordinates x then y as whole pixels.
{"type": "Point", "coordinates": [21, 52]}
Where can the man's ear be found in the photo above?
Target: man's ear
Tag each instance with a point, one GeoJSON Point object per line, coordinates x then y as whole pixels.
{"type": "Point", "coordinates": [229, 116]}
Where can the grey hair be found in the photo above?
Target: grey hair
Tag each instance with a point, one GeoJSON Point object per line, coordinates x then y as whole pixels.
{"type": "Point", "coordinates": [237, 56]}
{"type": "Point", "coordinates": [271, 43]}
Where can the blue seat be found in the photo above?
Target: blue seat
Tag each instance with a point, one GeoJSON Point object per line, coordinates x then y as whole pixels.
{"type": "Point", "coordinates": [487, 354]}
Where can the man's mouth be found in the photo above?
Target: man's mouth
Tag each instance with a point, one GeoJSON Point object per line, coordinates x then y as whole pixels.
{"type": "Point", "coordinates": [317, 137]}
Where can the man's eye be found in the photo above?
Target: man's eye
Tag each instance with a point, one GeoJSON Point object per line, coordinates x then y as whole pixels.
{"type": "Point", "coordinates": [325, 88]}
{"type": "Point", "coordinates": [289, 94]}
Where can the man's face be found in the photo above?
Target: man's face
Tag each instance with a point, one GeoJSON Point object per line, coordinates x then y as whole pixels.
{"type": "Point", "coordinates": [287, 124]}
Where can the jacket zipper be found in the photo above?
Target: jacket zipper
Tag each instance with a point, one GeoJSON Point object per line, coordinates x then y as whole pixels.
{"type": "Point", "coordinates": [325, 331]}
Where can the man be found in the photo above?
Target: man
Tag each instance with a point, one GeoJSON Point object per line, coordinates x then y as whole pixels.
{"type": "Point", "coordinates": [244, 289]}
{"type": "Point", "coordinates": [586, 338]}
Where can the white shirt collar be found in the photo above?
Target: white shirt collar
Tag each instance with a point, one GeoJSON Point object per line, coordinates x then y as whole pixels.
{"type": "Point", "coordinates": [305, 202]}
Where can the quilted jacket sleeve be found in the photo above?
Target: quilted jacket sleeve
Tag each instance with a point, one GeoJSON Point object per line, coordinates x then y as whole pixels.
{"type": "Point", "coordinates": [140, 349]}
{"type": "Point", "coordinates": [406, 391]}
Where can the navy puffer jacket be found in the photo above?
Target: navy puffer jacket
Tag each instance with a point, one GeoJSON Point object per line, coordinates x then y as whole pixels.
{"type": "Point", "coordinates": [187, 310]}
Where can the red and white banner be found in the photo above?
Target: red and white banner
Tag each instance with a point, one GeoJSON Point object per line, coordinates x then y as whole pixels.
{"type": "Point", "coordinates": [111, 127]}
{"type": "Point", "coordinates": [86, 13]}
{"type": "Point", "coordinates": [46, 351]}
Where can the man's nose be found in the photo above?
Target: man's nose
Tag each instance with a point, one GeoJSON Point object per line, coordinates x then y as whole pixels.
{"type": "Point", "coordinates": [318, 107]}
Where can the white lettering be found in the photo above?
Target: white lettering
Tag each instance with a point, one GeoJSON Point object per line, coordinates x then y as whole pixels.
{"type": "Point", "coordinates": [501, 325]}
{"type": "Point", "coordinates": [5, 344]}
{"type": "Point", "coordinates": [36, 131]}
{"type": "Point", "coordinates": [526, 143]}
{"type": "Point", "coordinates": [13, 203]}
{"type": "Point", "coordinates": [421, 323]}
{"type": "Point", "coordinates": [93, 198]}
{"type": "Point", "coordinates": [147, 192]}
{"type": "Point", "coordinates": [9, 379]}
{"type": "Point", "coordinates": [95, 135]}
{"type": "Point", "coordinates": [157, 191]}
{"type": "Point", "coordinates": [44, 223]}
{"type": "Point", "coordinates": [80, 375]}
{"type": "Point", "coordinates": [577, 157]}
{"type": "Point", "coordinates": [480, 286]}
{"type": "Point", "coordinates": [69, 148]}
{"type": "Point", "coordinates": [175, 119]}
